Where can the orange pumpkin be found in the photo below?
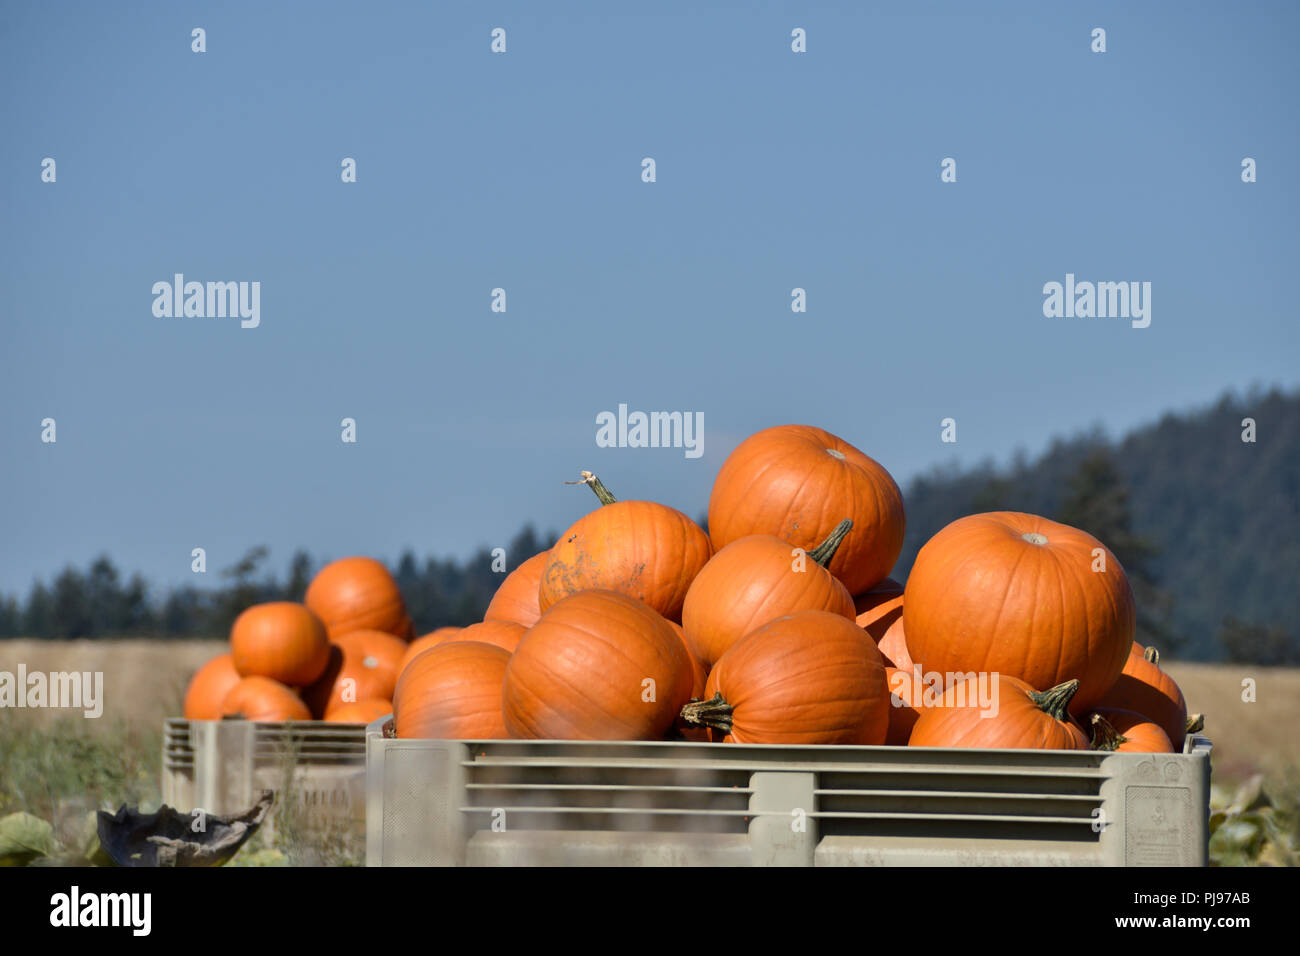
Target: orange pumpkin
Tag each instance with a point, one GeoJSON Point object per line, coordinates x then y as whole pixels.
{"type": "Point", "coordinates": [598, 665]}
{"type": "Point", "coordinates": [797, 482]}
{"type": "Point", "coordinates": [209, 687]}
{"type": "Point", "coordinates": [280, 640]}
{"type": "Point", "coordinates": [362, 664]}
{"type": "Point", "coordinates": [358, 594]}
{"type": "Point", "coordinates": [699, 679]}
{"type": "Point", "coordinates": [1145, 689]}
{"type": "Point", "coordinates": [886, 590]}
{"type": "Point", "coordinates": [516, 599]}
{"type": "Point", "coordinates": [1127, 732]}
{"type": "Point", "coordinates": [504, 634]}
{"type": "Point", "coordinates": [1016, 716]}
{"type": "Point", "coordinates": [893, 646]}
{"type": "Point", "coordinates": [754, 580]}
{"type": "Point", "coordinates": [878, 619]}
{"type": "Point", "coordinates": [905, 700]}
{"type": "Point", "coordinates": [423, 643]}
{"type": "Point", "coordinates": [643, 549]}
{"type": "Point", "coordinates": [1023, 596]}
{"type": "Point", "coordinates": [452, 692]}
{"type": "Point", "coordinates": [812, 677]}
{"type": "Point", "coordinates": [359, 711]}
{"type": "Point", "coordinates": [265, 700]}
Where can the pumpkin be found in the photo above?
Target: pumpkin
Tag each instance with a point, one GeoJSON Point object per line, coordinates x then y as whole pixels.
{"type": "Point", "coordinates": [362, 664]}
{"type": "Point", "coordinates": [281, 640]}
{"type": "Point", "coordinates": [598, 665]}
{"type": "Point", "coordinates": [516, 599]}
{"type": "Point", "coordinates": [358, 594]}
{"type": "Point", "coordinates": [905, 705]}
{"type": "Point", "coordinates": [262, 699]}
{"type": "Point", "coordinates": [209, 687]}
{"type": "Point", "coordinates": [1127, 732]}
{"type": "Point", "coordinates": [878, 619]}
{"type": "Point", "coordinates": [423, 643]}
{"type": "Point", "coordinates": [643, 549]}
{"type": "Point", "coordinates": [797, 482]}
{"type": "Point", "coordinates": [452, 692]}
{"type": "Point", "coordinates": [1145, 689]}
{"type": "Point", "coordinates": [359, 711]}
{"type": "Point", "coordinates": [754, 580]}
{"type": "Point", "coordinates": [504, 634]}
{"type": "Point", "coordinates": [1014, 716]}
{"type": "Point", "coordinates": [882, 592]}
{"type": "Point", "coordinates": [1022, 596]}
{"type": "Point", "coordinates": [812, 677]}
{"type": "Point", "coordinates": [699, 678]}
{"type": "Point", "coordinates": [893, 647]}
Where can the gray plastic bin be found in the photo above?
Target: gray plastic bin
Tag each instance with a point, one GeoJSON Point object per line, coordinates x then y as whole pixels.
{"type": "Point", "coordinates": [523, 802]}
{"type": "Point", "coordinates": [219, 766]}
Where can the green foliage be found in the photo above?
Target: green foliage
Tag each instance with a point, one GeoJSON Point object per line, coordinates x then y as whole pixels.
{"type": "Point", "coordinates": [24, 838]}
{"type": "Point", "coordinates": [1247, 828]}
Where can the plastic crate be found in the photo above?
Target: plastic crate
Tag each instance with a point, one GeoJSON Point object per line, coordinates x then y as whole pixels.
{"type": "Point", "coordinates": [220, 766]}
{"type": "Point", "coordinates": [562, 803]}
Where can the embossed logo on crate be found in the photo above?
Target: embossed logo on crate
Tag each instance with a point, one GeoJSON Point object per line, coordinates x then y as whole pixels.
{"type": "Point", "coordinates": [1159, 828]}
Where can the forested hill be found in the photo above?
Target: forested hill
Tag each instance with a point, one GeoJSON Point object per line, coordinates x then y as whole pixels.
{"type": "Point", "coordinates": [1209, 524]}
{"type": "Point", "coordinates": [1206, 525]}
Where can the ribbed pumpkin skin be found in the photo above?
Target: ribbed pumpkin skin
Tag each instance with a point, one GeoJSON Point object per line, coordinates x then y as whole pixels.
{"type": "Point", "coordinates": [811, 677]}
{"type": "Point", "coordinates": [280, 640]}
{"type": "Point", "coordinates": [643, 549]}
{"type": "Point", "coordinates": [371, 660]}
{"type": "Point", "coordinates": [264, 700]}
{"type": "Point", "coordinates": [359, 712]}
{"type": "Point", "coordinates": [1018, 724]}
{"type": "Point", "coordinates": [1143, 735]}
{"type": "Point", "coordinates": [424, 642]}
{"type": "Point", "coordinates": [358, 594]}
{"type": "Point", "coordinates": [893, 647]}
{"type": "Point", "coordinates": [516, 599]}
{"type": "Point", "coordinates": [504, 634]}
{"type": "Point", "coordinates": [578, 672]}
{"type": "Point", "coordinates": [452, 692]}
{"type": "Point", "coordinates": [981, 597]}
{"type": "Point", "coordinates": [209, 687]}
{"type": "Point", "coordinates": [1145, 689]}
{"type": "Point", "coordinates": [798, 482]}
{"type": "Point", "coordinates": [904, 706]}
{"type": "Point", "coordinates": [748, 583]}
{"type": "Point", "coordinates": [886, 590]}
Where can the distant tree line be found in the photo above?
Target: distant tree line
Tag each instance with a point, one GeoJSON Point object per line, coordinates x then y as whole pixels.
{"type": "Point", "coordinates": [99, 603]}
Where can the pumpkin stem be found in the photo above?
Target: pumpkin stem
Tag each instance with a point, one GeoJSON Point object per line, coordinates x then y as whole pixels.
{"type": "Point", "coordinates": [823, 553]}
{"type": "Point", "coordinates": [1151, 656]}
{"type": "Point", "coordinates": [714, 713]}
{"type": "Point", "coordinates": [597, 486]}
{"type": "Point", "coordinates": [1195, 723]}
{"type": "Point", "coordinates": [1053, 702]}
{"type": "Point", "coordinates": [1104, 734]}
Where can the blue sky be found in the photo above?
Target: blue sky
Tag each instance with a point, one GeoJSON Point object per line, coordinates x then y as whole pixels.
{"type": "Point", "coordinates": [522, 170]}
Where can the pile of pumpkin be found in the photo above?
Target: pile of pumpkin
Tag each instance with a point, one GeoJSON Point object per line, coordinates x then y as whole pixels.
{"type": "Point", "coordinates": [778, 626]}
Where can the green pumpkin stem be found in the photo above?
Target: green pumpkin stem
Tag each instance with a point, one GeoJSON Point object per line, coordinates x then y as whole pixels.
{"type": "Point", "coordinates": [714, 713]}
{"type": "Point", "coordinates": [603, 493]}
{"type": "Point", "coordinates": [1151, 656]}
{"type": "Point", "coordinates": [823, 553]}
{"type": "Point", "coordinates": [1104, 734]}
{"type": "Point", "coordinates": [1053, 702]}
{"type": "Point", "coordinates": [1195, 723]}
